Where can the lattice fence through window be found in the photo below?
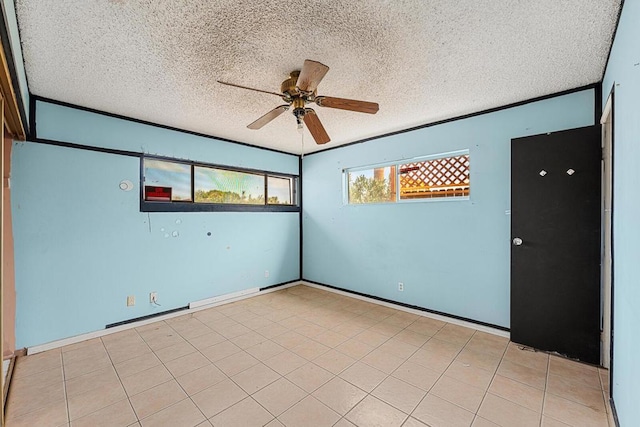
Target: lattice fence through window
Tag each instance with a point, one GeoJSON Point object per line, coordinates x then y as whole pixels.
{"type": "Point", "coordinates": [444, 177]}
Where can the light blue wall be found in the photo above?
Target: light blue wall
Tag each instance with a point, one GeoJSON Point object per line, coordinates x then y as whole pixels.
{"type": "Point", "coordinates": [453, 256]}
{"type": "Point", "coordinates": [16, 49]}
{"type": "Point", "coordinates": [82, 245]}
{"type": "Point", "coordinates": [623, 70]}
{"type": "Point", "coordinates": [61, 123]}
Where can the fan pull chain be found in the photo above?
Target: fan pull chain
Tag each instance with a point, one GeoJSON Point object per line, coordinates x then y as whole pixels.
{"type": "Point", "coordinates": [301, 127]}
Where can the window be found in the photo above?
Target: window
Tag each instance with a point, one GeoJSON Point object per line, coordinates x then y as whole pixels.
{"type": "Point", "coordinates": [178, 186]}
{"type": "Point", "coordinates": [280, 190]}
{"type": "Point", "coordinates": [160, 174]}
{"type": "Point", "coordinates": [374, 185]}
{"type": "Point", "coordinates": [426, 178]}
{"type": "Point", "coordinates": [441, 177]}
{"type": "Point", "coordinates": [225, 186]}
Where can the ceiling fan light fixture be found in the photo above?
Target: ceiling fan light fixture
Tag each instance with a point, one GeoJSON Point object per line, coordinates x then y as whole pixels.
{"type": "Point", "coordinates": [299, 111]}
{"type": "Point", "coordinates": [299, 90]}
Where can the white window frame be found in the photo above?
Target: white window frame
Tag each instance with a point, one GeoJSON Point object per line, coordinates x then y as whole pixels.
{"type": "Point", "coordinates": [397, 164]}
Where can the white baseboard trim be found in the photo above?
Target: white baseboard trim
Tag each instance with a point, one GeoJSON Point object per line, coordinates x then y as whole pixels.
{"type": "Point", "coordinates": [440, 317]}
{"type": "Point", "coordinates": [225, 297]}
{"type": "Point", "coordinates": [193, 307]}
{"type": "Point", "coordinates": [249, 293]}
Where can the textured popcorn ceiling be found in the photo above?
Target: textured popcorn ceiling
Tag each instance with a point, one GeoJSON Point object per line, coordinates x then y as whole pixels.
{"type": "Point", "coordinates": [421, 60]}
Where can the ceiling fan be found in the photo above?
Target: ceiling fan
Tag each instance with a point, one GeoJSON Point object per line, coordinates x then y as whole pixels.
{"type": "Point", "coordinates": [298, 91]}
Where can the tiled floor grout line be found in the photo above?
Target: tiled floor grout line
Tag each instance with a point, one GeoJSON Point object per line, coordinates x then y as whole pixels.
{"type": "Point", "coordinates": [544, 394]}
{"type": "Point", "coordinates": [435, 382]}
{"type": "Point", "coordinates": [113, 365]}
{"type": "Point", "coordinates": [495, 372]}
{"type": "Point", "coordinates": [387, 375]}
{"type": "Point", "coordinates": [406, 359]}
{"type": "Point", "coordinates": [120, 378]}
{"type": "Point", "coordinates": [175, 378]}
{"type": "Point", "coordinates": [334, 375]}
{"type": "Point", "coordinates": [64, 387]}
{"type": "Point", "coordinates": [307, 394]}
{"type": "Point", "coordinates": [154, 367]}
{"type": "Point", "coordinates": [229, 378]}
{"type": "Point", "coordinates": [604, 394]}
{"type": "Point", "coordinates": [197, 351]}
{"type": "Point", "coordinates": [443, 372]}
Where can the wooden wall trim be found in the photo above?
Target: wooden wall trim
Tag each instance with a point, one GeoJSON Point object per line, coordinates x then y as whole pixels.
{"type": "Point", "coordinates": [8, 266]}
{"type": "Point", "coordinates": [12, 118]}
{"type": "Point", "coordinates": [2, 213]}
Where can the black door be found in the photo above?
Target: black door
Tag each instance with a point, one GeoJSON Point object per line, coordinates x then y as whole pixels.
{"type": "Point", "coordinates": [555, 248]}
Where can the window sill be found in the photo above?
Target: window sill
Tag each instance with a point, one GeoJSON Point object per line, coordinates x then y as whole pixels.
{"type": "Point", "coordinates": [209, 207]}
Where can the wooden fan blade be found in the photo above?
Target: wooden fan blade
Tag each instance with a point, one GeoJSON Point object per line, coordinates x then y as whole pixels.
{"type": "Point", "coordinates": [249, 88]}
{"type": "Point", "coordinates": [347, 104]}
{"type": "Point", "coordinates": [268, 117]}
{"type": "Point", "coordinates": [311, 75]}
{"type": "Point", "coordinates": [315, 127]}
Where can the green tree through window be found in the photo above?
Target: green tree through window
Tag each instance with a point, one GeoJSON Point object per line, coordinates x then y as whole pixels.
{"type": "Point", "coordinates": [371, 186]}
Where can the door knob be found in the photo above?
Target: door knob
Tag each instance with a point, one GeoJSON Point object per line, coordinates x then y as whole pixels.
{"type": "Point", "coordinates": [517, 241]}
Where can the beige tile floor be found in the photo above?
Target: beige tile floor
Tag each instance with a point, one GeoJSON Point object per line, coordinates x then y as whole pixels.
{"type": "Point", "coordinates": [303, 357]}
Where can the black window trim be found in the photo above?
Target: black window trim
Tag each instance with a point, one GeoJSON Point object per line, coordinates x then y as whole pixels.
{"type": "Point", "coordinates": [193, 206]}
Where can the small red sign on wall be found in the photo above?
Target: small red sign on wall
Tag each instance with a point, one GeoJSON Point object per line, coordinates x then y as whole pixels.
{"type": "Point", "coordinates": [157, 194]}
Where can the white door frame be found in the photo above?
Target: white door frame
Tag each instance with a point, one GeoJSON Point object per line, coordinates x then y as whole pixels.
{"type": "Point", "coordinates": [607, 191]}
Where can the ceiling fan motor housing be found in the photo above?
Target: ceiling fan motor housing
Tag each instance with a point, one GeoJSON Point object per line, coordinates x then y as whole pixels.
{"type": "Point", "coordinates": [288, 87]}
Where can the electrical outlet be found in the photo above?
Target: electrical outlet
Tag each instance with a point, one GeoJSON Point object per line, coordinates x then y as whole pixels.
{"type": "Point", "coordinates": [131, 300]}
{"type": "Point", "coordinates": [266, 273]}
{"type": "Point", "coordinates": [153, 297]}
{"type": "Point", "coordinates": [400, 286]}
